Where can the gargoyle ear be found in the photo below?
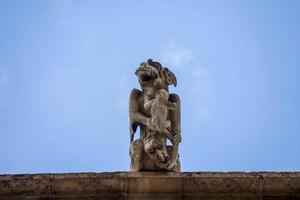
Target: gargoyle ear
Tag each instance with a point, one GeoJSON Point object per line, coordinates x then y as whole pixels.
{"type": "Point", "coordinates": [143, 64]}
{"type": "Point", "coordinates": [157, 65]}
{"type": "Point", "coordinates": [171, 78]}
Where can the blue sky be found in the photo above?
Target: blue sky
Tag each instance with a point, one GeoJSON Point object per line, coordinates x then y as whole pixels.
{"type": "Point", "coordinates": [67, 68]}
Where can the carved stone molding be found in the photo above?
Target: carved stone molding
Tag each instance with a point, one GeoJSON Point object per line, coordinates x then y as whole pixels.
{"type": "Point", "coordinates": [152, 185]}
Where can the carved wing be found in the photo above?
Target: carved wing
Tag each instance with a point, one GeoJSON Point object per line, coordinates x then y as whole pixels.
{"type": "Point", "coordinates": [133, 109]}
{"type": "Point", "coordinates": [174, 117]}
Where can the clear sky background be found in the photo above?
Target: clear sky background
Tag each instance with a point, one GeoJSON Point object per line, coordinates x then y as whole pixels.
{"type": "Point", "coordinates": [67, 69]}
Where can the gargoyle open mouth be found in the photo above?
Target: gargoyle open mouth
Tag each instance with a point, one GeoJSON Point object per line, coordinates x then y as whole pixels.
{"type": "Point", "coordinates": [166, 160]}
{"type": "Point", "coordinates": [146, 75]}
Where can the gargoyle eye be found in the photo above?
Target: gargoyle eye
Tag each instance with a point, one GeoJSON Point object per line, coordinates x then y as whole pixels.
{"type": "Point", "coordinates": [159, 146]}
{"type": "Point", "coordinates": [152, 150]}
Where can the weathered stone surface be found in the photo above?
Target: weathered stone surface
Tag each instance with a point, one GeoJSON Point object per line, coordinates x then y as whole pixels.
{"type": "Point", "coordinates": [152, 185]}
{"type": "Point", "coordinates": [157, 114]}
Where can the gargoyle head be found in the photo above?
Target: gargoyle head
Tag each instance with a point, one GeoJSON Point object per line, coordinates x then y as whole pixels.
{"type": "Point", "coordinates": [152, 74]}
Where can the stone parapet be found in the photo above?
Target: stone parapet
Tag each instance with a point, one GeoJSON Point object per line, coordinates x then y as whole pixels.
{"type": "Point", "coordinates": [152, 185]}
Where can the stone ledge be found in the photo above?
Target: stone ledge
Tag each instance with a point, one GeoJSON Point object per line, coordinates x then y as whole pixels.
{"type": "Point", "coordinates": [152, 185]}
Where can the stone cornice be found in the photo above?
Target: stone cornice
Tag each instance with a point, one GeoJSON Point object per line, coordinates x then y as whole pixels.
{"type": "Point", "coordinates": [152, 185]}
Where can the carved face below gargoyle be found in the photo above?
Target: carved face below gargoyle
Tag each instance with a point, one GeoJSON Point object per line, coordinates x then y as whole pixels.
{"type": "Point", "coordinates": [155, 149]}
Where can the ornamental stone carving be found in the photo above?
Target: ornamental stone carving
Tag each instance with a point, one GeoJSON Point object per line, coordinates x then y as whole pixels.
{"type": "Point", "coordinates": [157, 114]}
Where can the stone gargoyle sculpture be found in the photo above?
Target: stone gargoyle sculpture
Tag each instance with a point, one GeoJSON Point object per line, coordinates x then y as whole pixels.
{"type": "Point", "coordinates": [157, 113]}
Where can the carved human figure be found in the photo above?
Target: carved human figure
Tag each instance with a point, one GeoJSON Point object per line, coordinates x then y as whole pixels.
{"type": "Point", "coordinates": [157, 113]}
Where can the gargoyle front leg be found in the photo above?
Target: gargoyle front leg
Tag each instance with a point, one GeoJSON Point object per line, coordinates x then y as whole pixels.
{"type": "Point", "coordinates": [138, 119]}
{"type": "Point", "coordinates": [171, 105]}
{"type": "Point", "coordinates": [141, 119]}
